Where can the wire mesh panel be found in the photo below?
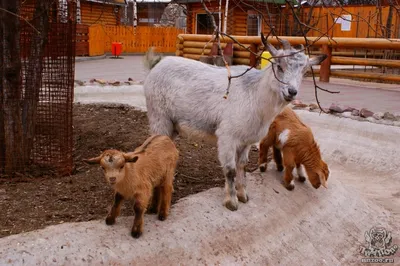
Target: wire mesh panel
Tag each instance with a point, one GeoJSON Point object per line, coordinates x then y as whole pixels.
{"type": "Point", "coordinates": [44, 102]}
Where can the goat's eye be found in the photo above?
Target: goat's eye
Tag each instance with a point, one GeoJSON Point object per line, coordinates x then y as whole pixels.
{"type": "Point", "coordinates": [103, 168]}
{"type": "Point", "coordinates": [121, 167]}
{"type": "Point", "coordinates": [280, 68]}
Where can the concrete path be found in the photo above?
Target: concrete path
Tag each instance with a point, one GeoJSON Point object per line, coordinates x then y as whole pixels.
{"type": "Point", "coordinates": [276, 227]}
{"type": "Point", "coordinates": [377, 97]}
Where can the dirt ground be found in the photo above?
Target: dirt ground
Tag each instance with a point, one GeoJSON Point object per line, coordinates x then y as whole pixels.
{"type": "Point", "coordinates": [32, 203]}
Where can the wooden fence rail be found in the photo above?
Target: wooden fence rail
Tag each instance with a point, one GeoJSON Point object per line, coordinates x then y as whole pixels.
{"type": "Point", "coordinates": [133, 39]}
{"type": "Point", "coordinates": [194, 46]}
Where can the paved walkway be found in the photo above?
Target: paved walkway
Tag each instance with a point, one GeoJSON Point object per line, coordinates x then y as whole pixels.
{"type": "Point", "coordinates": [377, 97]}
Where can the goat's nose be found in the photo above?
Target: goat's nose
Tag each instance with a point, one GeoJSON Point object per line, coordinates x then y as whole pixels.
{"type": "Point", "coordinates": [292, 92]}
{"type": "Point", "coordinates": [113, 179]}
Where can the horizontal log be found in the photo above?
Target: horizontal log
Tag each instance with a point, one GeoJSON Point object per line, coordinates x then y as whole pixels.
{"type": "Point", "coordinates": [187, 44]}
{"type": "Point", "coordinates": [338, 60]}
{"type": "Point", "coordinates": [371, 43]}
{"type": "Point", "coordinates": [236, 61]}
{"type": "Point", "coordinates": [365, 75]}
{"type": "Point", "coordinates": [199, 51]}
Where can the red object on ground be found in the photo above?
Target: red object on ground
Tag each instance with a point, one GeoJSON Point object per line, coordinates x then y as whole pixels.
{"type": "Point", "coordinates": [116, 48]}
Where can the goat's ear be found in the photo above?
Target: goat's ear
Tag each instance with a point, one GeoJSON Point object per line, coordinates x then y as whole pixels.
{"type": "Point", "coordinates": [131, 157]}
{"type": "Point", "coordinates": [316, 60]}
{"type": "Point", "coordinates": [268, 46]}
{"type": "Point", "coordinates": [322, 179]}
{"type": "Point", "coordinates": [95, 160]}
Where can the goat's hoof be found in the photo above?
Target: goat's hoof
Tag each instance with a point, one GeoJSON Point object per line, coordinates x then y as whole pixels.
{"type": "Point", "coordinates": [279, 168]}
{"type": "Point", "coordinates": [302, 179]}
{"type": "Point", "coordinates": [231, 205]}
{"type": "Point", "coordinates": [243, 198]}
{"type": "Point", "coordinates": [263, 167]}
{"type": "Point", "coordinates": [162, 217]}
{"type": "Point", "coordinates": [110, 220]}
{"type": "Point", "coordinates": [289, 187]}
{"type": "Point", "coordinates": [136, 234]}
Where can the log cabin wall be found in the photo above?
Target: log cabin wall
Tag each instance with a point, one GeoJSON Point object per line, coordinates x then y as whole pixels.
{"type": "Point", "coordinates": [98, 13]}
{"type": "Point", "coordinates": [237, 23]}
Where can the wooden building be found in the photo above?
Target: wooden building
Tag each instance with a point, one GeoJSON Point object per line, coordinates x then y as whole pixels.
{"type": "Point", "coordinates": [105, 12]}
{"type": "Point", "coordinates": [243, 19]}
{"type": "Point", "coordinates": [149, 12]}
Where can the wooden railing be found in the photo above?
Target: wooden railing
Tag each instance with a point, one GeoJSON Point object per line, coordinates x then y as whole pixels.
{"type": "Point", "coordinates": [192, 46]}
{"type": "Point", "coordinates": [134, 40]}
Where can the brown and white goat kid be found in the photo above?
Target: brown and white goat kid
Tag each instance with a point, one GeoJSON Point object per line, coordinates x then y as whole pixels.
{"type": "Point", "coordinates": [143, 175]}
{"type": "Point", "coordinates": [289, 135]}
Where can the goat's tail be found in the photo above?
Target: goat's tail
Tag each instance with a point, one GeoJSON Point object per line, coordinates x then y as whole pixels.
{"type": "Point", "coordinates": [150, 59]}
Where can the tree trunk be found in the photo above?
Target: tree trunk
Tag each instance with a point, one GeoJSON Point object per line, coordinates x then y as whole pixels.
{"type": "Point", "coordinates": [389, 21]}
{"type": "Point", "coordinates": [12, 145]}
{"type": "Point", "coordinates": [34, 72]}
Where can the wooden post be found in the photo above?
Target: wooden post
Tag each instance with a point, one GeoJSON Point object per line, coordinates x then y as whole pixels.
{"type": "Point", "coordinates": [326, 64]}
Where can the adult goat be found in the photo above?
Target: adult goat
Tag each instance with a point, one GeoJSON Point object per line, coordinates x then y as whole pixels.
{"type": "Point", "coordinates": [186, 96]}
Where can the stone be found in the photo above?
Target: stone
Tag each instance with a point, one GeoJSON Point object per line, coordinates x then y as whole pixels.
{"type": "Point", "coordinates": [313, 106]}
{"type": "Point", "coordinates": [366, 113]}
{"type": "Point", "coordinates": [346, 114]}
{"type": "Point", "coordinates": [173, 16]}
{"type": "Point", "coordinates": [378, 115]}
{"type": "Point", "coordinates": [336, 108]}
{"type": "Point", "coordinates": [355, 112]}
{"type": "Point", "coordinates": [389, 116]}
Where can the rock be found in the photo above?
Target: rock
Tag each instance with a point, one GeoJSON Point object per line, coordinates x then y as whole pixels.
{"type": "Point", "coordinates": [114, 83]}
{"type": "Point", "coordinates": [389, 116]}
{"type": "Point", "coordinates": [336, 108]}
{"type": "Point", "coordinates": [313, 106]}
{"type": "Point", "coordinates": [366, 113]}
{"type": "Point", "coordinates": [346, 114]}
{"type": "Point", "coordinates": [378, 115]}
{"type": "Point", "coordinates": [355, 112]}
{"type": "Point", "coordinates": [80, 82]}
{"type": "Point", "coordinates": [172, 15]}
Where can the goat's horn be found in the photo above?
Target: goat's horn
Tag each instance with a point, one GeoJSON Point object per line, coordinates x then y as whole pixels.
{"type": "Point", "coordinates": [286, 44]}
{"type": "Point", "coordinates": [268, 46]}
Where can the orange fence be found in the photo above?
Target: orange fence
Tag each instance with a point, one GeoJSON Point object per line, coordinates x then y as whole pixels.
{"type": "Point", "coordinates": [134, 40]}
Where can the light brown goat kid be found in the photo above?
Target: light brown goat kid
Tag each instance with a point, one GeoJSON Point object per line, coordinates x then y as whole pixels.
{"type": "Point", "coordinates": [289, 135]}
{"type": "Point", "coordinates": [143, 175]}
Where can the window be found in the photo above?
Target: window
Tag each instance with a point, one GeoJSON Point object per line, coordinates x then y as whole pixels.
{"type": "Point", "coordinates": [253, 24]}
{"type": "Point", "coordinates": [204, 24]}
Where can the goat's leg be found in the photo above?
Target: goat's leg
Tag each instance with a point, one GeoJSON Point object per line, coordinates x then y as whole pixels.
{"type": "Point", "coordinates": [227, 158]}
{"type": "Point", "coordinates": [161, 124]}
{"type": "Point", "coordinates": [265, 144]}
{"type": "Point", "coordinates": [154, 206]}
{"type": "Point", "coordinates": [115, 209]}
{"type": "Point", "coordinates": [140, 207]}
{"type": "Point", "coordinates": [300, 173]}
{"type": "Point", "coordinates": [288, 162]}
{"type": "Point", "coordinates": [277, 158]}
{"type": "Point", "coordinates": [165, 201]}
{"type": "Point", "coordinates": [243, 157]}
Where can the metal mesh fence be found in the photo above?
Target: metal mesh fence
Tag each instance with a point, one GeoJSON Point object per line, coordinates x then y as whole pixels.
{"type": "Point", "coordinates": [42, 110]}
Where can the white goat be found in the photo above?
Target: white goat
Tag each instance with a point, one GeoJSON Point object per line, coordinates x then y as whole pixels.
{"type": "Point", "coordinates": [186, 96]}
